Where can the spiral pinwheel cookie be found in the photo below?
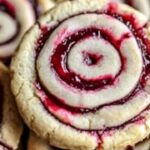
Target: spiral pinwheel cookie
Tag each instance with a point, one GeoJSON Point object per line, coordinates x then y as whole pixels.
{"type": "Point", "coordinates": [81, 76]}
{"type": "Point", "coordinates": [36, 143]}
{"type": "Point", "coordinates": [16, 16]}
{"type": "Point", "coordinates": [10, 122]}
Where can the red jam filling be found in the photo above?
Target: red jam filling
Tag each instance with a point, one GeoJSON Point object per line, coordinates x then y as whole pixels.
{"type": "Point", "coordinates": [74, 80]}
{"type": "Point", "coordinates": [91, 59]}
{"type": "Point", "coordinates": [71, 78]}
{"type": "Point", "coordinates": [7, 7]}
{"type": "Point", "coordinates": [58, 62]}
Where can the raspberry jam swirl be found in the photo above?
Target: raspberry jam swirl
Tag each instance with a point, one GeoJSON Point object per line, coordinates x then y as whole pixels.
{"type": "Point", "coordinates": [93, 69]}
{"type": "Point", "coordinates": [13, 23]}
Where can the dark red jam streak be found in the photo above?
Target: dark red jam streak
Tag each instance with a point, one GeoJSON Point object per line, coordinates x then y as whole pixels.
{"type": "Point", "coordinates": [36, 7]}
{"type": "Point", "coordinates": [54, 103]}
{"type": "Point", "coordinates": [7, 7]}
{"type": "Point", "coordinates": [91, 59]}
{"type": "Point", "coordinates": [5, 147]}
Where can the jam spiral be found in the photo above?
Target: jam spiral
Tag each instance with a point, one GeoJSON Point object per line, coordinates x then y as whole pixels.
{"type": "Point", "coordinates": [91, 72]}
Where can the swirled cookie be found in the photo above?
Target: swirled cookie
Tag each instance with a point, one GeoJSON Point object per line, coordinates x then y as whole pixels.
{"type": "Point", "coordinates": [10, 122]}
{"type": "Point", "coordinates": [16, 16]}
{"type": "Point", "coordinates": [81, 76]}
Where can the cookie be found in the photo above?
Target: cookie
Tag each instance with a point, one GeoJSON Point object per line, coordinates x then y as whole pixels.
{"type": "Point", "coordinates": [10, 122]}
{"type": "Point", "coordinates": [81, 76]}
{"type": "Point", "coordinates": [16, 16]}
{"type": "Point", "coordinates": [36, 143]}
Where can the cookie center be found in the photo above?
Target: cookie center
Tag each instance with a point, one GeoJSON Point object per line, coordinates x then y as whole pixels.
{"type": "Point", "coordinates": [91, 59]}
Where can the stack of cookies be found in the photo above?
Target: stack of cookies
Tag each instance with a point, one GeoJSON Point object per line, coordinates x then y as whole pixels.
{"type": "Point", "coordinates": [74, 75]}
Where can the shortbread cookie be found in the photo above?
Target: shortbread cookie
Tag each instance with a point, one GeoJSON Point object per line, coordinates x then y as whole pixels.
{"type": "Point", "coordinates": [36, 143]}
{"type": "Point", "coordinates": [16, 16]}
{"type": "Point", "coordinates": [10, 122]}
{"type": "Point", "coordinates": [81, 76]}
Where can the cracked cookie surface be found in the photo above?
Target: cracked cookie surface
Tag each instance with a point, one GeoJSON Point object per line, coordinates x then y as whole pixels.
{"type": "Point", "coordinates": [80, 79]}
